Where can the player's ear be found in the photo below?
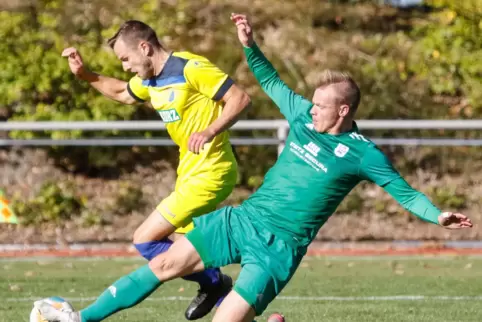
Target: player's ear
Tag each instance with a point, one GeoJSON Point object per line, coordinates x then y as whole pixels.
{"type": "Point", "coordinates": [344, 110]}
{"type": "Point", "coordinates": [146, 48]}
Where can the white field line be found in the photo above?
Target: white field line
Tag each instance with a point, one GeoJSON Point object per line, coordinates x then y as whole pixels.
{"type": "Point", "coordinates": [361, 258]}
{"type": "Point", "coordinates": [292, 298]}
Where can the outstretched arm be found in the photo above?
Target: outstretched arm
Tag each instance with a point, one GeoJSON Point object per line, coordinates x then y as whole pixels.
{"type": "Point", "coordinates": [113, 88]}
{"type": "Point", "coordinates": [412, 200]}
{"type": "Point", "coordinates": [290, 103]}
{"type": "Point", "coordinates": [419, 205]}
{"type": "Point", "coordinates": [376, 167]}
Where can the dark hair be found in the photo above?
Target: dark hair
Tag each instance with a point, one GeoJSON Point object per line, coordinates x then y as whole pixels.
{"type": "Point", "coordinates": [347, 87]}
{"type": "Point", "coordinates": [132, 32]}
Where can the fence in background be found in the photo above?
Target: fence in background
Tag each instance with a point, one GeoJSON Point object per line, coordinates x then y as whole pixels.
{"type": "Point", "coordinates": [280, 127]}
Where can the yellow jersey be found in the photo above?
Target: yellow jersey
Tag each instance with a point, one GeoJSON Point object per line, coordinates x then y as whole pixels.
{"type": "Point", "coordinates": [187, 95]}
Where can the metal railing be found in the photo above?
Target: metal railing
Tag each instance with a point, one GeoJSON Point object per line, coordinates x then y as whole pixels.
{"type": "Point", "coordinates": [280, 126]}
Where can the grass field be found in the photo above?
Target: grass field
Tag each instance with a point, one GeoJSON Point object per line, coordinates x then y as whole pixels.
{"type": "Point", "coordinates": [324, 289]}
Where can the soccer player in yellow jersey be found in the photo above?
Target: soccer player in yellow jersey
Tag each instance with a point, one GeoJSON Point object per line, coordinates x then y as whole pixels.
{"type": "Point", "coordinates": [197, 102]}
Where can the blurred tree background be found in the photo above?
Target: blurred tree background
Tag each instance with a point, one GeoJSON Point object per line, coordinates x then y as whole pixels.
{"type": "Point", "coordinates": [411, 63]}
{"type": "Point", "coordinates": [421, 62]}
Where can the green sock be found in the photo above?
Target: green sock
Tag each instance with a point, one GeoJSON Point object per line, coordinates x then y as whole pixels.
{"type": "Point", "coordinates": [124, 293]}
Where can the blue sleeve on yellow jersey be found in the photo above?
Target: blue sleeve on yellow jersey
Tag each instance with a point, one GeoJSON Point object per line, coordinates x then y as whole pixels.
{"type": "Point", "coordinates": [223, 89]}
{"type": "Point", "coordinates": [291, 104]}
{"type": "Point", "coordinates": [207, 78]}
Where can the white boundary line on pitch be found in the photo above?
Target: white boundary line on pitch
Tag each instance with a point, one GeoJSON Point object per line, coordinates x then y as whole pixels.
{"type": "Point", "coordinates": [293, 298]}
{"type": "Point", "coordinates": [46, 259]}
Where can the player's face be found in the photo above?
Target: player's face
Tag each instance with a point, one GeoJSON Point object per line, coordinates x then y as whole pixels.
{"type": "Point", "coordinates": [135, 59]}
{"type": "Point", "coordinates": [326, 109]}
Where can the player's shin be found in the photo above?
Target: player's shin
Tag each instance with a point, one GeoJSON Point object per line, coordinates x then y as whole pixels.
{"type": "Point", "coordinates": [124, 293]}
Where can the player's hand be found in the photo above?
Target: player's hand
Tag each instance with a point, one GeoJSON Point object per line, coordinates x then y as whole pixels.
{"type": "Point", "coordinates": [245, 31]}
{"type": "Point", "coordinates": [76, 63]}
{"type": "Point", "coordinates": [452, 220]}
{"type": "Point", "coordinates": [199, 139]}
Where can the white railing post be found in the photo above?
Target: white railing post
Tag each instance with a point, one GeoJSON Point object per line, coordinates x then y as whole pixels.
{"type": "Point", "coordinates": [282, 134]}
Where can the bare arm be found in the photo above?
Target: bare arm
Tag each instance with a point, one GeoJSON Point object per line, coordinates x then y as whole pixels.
{"type": "Point", "coordinates": [110, 87]}
{"type": "Point", "coordinates": [236, 101]}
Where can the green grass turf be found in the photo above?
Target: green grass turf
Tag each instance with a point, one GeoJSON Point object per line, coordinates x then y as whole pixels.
{"type": "Point", "coordinates": [351, 281]}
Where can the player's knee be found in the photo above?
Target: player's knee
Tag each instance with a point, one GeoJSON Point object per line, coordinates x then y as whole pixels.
{"type": "Point", "coordinates": [232, 317]}
{"type": "Point", "coordinates": [155, 227]}
{"type": "Point", "coordinates": [221, 317]}
{"type": "Point", "coordinates": [166, 267]}
{"type": "Point", "coordinates": [139, 236]}
{"type": "Point", "coordinates": [144, 235]}
{"type": "Point", "coordinates": [234, 308]}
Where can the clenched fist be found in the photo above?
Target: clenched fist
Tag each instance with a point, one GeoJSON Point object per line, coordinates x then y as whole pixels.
{"type": "Point", "coordinates": [76, 63]}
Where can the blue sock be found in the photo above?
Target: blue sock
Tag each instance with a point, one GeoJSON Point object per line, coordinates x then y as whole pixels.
{"type": "Point", "coordinates": [151, 249]}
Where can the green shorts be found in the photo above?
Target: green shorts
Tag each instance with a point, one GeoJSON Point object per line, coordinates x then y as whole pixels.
{"type": "Point", "coordinates": [227, 236]}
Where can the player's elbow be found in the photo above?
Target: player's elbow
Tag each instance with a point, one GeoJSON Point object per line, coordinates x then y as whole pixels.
{"type": "Point", "coordinates": [125, 98]}
{"type": "Point", "coordinates": [409, 203]}
{"type": "Point", "coordinates": [269, 80]}
{"type": "Point", "coordinates": [246, 99]}
{"type": "Point", "coordinates": [165, 267]}
{"type": "Point", "coordinates": [129, 101]}
{"type": "Point", "coordinates": [239, 97]}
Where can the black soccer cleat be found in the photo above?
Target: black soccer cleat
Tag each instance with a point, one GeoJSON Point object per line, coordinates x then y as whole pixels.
{"type": "Point", "coordinates": [207, 298]}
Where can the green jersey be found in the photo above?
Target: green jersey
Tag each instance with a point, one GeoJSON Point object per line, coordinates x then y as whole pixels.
{"type": "Point", "coordinates": [316, 171]}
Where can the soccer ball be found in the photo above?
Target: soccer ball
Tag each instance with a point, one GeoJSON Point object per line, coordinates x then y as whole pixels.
{"type": "Point", "coordinates": [276, 317]}
{"type": "Point", "coordinates": [57, 302]}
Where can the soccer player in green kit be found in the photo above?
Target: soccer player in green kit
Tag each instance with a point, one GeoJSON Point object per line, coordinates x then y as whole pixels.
{"type": "Point", "coordinates": [269, 233]}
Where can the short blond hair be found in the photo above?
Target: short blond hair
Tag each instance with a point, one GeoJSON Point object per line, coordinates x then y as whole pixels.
{"type": "Point", "coordinates": [346, 86]}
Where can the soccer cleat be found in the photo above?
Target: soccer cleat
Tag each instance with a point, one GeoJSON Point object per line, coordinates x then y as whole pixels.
{"type": "Point", "coordinates": [207, 298]}
{"type": "Point", "coordinates": [52, 314]}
